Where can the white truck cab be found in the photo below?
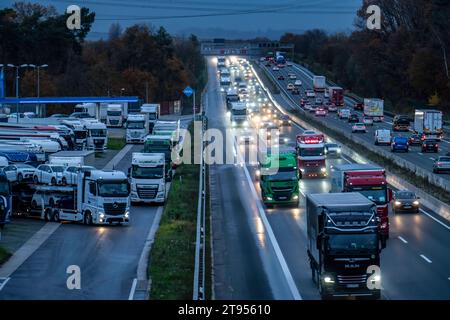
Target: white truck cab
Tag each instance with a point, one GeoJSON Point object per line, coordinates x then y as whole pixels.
{"type": "Point", "coordinates": [137, 128]}
{"type": "Point", "coordinates": [114, 115]}
{"type": "Point", "coordinates": [153, 111]}
{"type": "Point", "coordinates": [147, 174]}
{"type": "Point", "coordinates": [97, 135]}
{"type": "Point", "coordinates": [238, 114]}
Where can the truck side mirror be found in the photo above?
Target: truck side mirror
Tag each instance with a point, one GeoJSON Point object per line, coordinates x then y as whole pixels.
{"type": "Point", "coordinates": [319, 241]}
{"type": "Point", "coordinates": [390, 194]}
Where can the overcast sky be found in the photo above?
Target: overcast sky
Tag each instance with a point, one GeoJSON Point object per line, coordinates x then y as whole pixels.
{"type": "Point", "coordinates": [218, 18]}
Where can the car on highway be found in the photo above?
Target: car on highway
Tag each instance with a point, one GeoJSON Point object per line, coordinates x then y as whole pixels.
{"type": "Point", "coordinates": [343, 113]}
{"type": "Point", "coordinates": [298, 83]}
{"type": "Point", "coordinates": [302, 102]}
{"type": "Point", "coordinates": [48, 174]}
{"type": "Point", "coordinates": [292, 76]}
{"type": "Point", "coordinates": [289, 64]}
{"type": "Point", "coordinates": [359, 127]}
{"type": "Point", "coordinates": [320, 112]}
{"type": "Point", "coordinates": [318, 101]}
{"type": "Point", "coordinates": [280, 77]}
{"type": "Point", "coordinates": [332, 108]}
{"type": "Point", "coordinates": [353, 118]}
{"type": "Point", "coordinates": [70, 173]}
{"type": "Point", "coordinates": [382, 136]}
{"type": "Point", "coordinates": [368, 120]}
{"type": "Point", "coordinates": [290, 86]}
{"type": "Point", "coordinates": [59, 115]}
{"type": "Point", "coordinates": [430, 145]}
{"type": "Point", "coordinates": [310, 93]}
{"type": "Point", "coordinates": [442, 164]}
{"type": "Point", "coordinates": [415, 139]}
{"type": "Point", "coordinates": [326, 94]}
{"type": "Point", "coordinates": [295, 91]}
{"type": "Point", "coordinates": [358, 106]}
{"type": "Point", "coordinates": [285, 120]}
{"type": "Point", "coordinates": [280, 65]}
{"type": "Point", "coordinates": [310, 107]}
{"type": "Point", "coordinates": [399, 144]}
{"type": "Point", "coordinates": [19, 172]}
{"type": "Point", "coordinates": [332, 149]}
{"type": "Point", "coordinates": [405, 201]}
{"type": "Point", "coordinates": [276, 68]}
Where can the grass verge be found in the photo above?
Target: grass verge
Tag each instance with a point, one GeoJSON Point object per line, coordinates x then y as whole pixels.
{"type": "Point", "coordinates": [4, 255]}
{"type": "Point", "coordinates": [116, 143]}
{"type": "Point", "coordinates": [171, 261]}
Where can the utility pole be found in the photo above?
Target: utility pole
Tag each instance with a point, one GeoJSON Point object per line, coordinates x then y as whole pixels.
{"type": "Point", "coordinates": [146, 91]}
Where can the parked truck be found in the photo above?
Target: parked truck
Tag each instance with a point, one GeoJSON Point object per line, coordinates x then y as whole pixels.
{"type": "Point", "coordinates": [428, 123]}
{"type": "Point", "coordinates": [79, 132]}
{"type": "Point", "coordinates": [153, 111]}
{"type": "Point", "coordinates": [374, 108]}
{"type": "Point", "coordinates": [137, 128]}
{"type": "Point", "coordinates": [99, 197]}
{"type": "Point", "coordinates": [97, 135]}
{"type": "Point", "coordinates": [168, 128]}
{"type": "Point", "coordinates": [90, 108]}
{"type": "Point", "coordinates": [311, 155]}
{"type": "Point", "coordinates": [161, 144]}
{"type": "Point", "coordinates": [336, 96]}
{"type": "Point", "coordinates": [5, 200]}
{"type": "Point", "coordinates": [279, 177]}
{"type": "Point", "coordinates": [343, 245]}
{"type": "Point", "coordinates": [319, 83]}
{"type": "Point", "coordinates": [114, 115]}
{"type": "Point", "coordinates": [370, 181]}
{"type": "Point", "coordinates": [279, 58]}
{"type": "Point", "coordinates": [147, 173]}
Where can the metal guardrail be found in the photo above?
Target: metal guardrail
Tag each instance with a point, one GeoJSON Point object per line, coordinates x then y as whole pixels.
{"type": "Point", "coordinates": [200, 244]}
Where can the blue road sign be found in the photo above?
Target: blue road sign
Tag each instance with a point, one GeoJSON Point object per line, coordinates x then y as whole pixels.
{"type": "Point", "coordinates": [188, 91]}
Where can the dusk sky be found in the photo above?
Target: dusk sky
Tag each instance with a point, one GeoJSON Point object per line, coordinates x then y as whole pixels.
{"type": "Point", "coordinates": [218, 18]}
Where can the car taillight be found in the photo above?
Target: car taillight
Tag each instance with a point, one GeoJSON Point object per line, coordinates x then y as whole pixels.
{"type": "Point", "coordinates": [424, 145]}
{"type": "Point", "coordinates": [436, 145]}
{"type": "Point", "coordinates": [439, 163]}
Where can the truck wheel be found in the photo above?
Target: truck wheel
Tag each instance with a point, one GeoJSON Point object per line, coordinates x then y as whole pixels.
{"type": "Point", "coordinates": [87, 218]}
{"type": "Point", "coordinates": [53, 181]}
{"type": "Point", "coordinates": [56, 215]}
{"type": "Point", "coordinates": [48, 214]}
{"type": "Point", "coordinates": [19, 177]}
{"type": "Point", "coordinates": [64, 181]}
{"type": "Point", "coordinates": [35, 179]}
{"type": "Point", "coordinates": [51, 203]}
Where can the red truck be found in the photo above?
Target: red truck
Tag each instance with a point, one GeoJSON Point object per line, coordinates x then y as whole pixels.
{"type": "Point", "coordinates": [336, 96]}
{"type": "Point", "coordinates": [371, 182]}
{"type": "Point", "coordinates": [311, 154]}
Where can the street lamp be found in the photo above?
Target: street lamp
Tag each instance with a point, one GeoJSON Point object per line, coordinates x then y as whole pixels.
{"type": "Point", "coordinates": [17, 85]}
{"type": "Point", "coordinates": [121, 91]}
{"type": "Point", "coordinates": [38, 82]}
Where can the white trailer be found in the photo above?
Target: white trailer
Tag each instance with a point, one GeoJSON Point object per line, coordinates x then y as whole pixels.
{"type": "Point", "coordinates": [115, 115]}
{"type": "Point", "coordinates": [374, 108]}
{"type": "Point", "coordinates": [147, 173]}
{"type": "Point", "coordinates": [90, 108]}
{"type": "Point", "coordinates": [99, 197]}
{"type": "Point", "coordinates": [428, 123]}
{"type": "Point", "coordinates": [137, 128]}
{"type": "Point", "coordinates": [67, 161]}
{"type": "Point", "coordinates": [153, 111]}
{"type": "Point", "coordinates": [168, 128]}
{"type": "Point", "coordinates": [319, 83]}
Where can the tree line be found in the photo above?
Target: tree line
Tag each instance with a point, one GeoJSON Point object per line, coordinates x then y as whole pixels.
{"type": "Point", "coordinates": [406, 62]}
{"type": "Point", "coordinates": [140, 60]}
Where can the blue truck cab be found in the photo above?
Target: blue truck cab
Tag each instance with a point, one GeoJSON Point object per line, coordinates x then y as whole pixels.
{"type": "Point", "coordinates": [5, 200]}
{"type": "Point", "coordinates": [400, 144]}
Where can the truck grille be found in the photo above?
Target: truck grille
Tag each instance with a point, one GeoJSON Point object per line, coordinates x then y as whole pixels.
{"type": "Point", "coordinates": [147, 193]}
{"type": "Point", "coordinates": [114, 122]}
{"type": "Point", "coordinates": [282, 193]}
{"type": "Point", "coordinates": [353, 279]}
{"type": "Point", "coordinates": [115, 209]}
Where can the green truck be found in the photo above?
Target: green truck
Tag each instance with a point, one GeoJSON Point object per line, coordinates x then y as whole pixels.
{"type": "Point", "coordinates": [161, 144]}
{"type": "Point", "coordinates": [279, 185]}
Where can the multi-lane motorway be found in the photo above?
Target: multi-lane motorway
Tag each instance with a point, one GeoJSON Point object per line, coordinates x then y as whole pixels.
{"type": "Point", "coordinates": [423, 160]}
{"type": "Point", "coordinates": [415, 264]}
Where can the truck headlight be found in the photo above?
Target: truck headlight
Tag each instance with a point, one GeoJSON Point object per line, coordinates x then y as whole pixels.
{"type": "Point", "coordinates": [339, 150]}
{"type": "Point", "coordinates": [397, 203]}
{"type": "Point", "coordinates": [233, 123]}
{"type": "Point", "coordinates": [101, 215]}
{"type": "Point", "coordinates": [323, 169]}
{"type": "Point", "coordinates": [269, 198]}
{"type": "Point", "coordinates": [127, 214]}
{"type": "Point", "coordinates": [416, 203]}
{"type": "Point", "coordinates": [328, 279]}
{"type": "Point", "coordinates": [295, 197]}
{"type": "Point", "coordinates": [245, 123]}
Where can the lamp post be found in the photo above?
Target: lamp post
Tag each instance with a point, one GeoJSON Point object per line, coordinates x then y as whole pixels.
{"type": "Point", "coordinates": [38, 94]}
{"type": "Point", "coordinates": [17, 85]}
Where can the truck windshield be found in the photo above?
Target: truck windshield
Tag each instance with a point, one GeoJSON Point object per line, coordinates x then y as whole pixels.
{"type": "Point", "coordinates": [376, 195]}
{"type": "Point", "coordinates": [114, 113]}
{"type": "Point", "coordinates": [152, 116]}
{"type": "Point", "coordinates": [80, 134]}
{"type": "Point", "coordinates": [242, 112]}
{"type": "Point", "coordinates": [283, 175]}
{"type": "Point", "coordinates": [114, 189]}
{"type": "Point", "coordinates": [98, 133]}
{"type": "Point", "coordinates": [311, 152]}
{"type": "Point", "coordinates": [135, 125]}
{"type": "Point", "coordinates": [352, 243]}
{"type": "Point", "coordinates": [233, 98]}
{"type": "Point", "coordinates": [147, 173]}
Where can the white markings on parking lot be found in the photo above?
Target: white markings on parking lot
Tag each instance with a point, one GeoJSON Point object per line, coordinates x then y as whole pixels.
{"type": "Point", "coordinates": [403, 240]}
{"type": "Point", "coordinates": [425, 258]}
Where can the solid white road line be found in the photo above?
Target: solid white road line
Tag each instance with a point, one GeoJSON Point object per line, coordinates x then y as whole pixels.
{"type": "Point", "coordinates": [3, 284]}
{"type": "Point", "coordinates": [133, 289]}
{"type": "Point", "coordinates": [425, 258]}
{"type": "Point", "coordinates": [119, 156]}
{"type": "Point", "coordinates": [403, 240]}
{"type": "Point", "coordinates": [437, 220]}
{"type": "Point", "coordinates": [432, 159]}
{"type": "Point", "coordinates": [287, 273]}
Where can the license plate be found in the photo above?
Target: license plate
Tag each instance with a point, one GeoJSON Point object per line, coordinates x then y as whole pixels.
{"type": "Point", "coordinates": [353, 286]}
{"type": "Point", "coordinates": [283, 198]}
{"type": "Point", "coordinates": [407, 207]}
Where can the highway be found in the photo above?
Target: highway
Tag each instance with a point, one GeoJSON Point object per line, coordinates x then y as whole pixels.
{"type": "Point", "coordinates": [415, 264]}
{"type": "Point", "coordinates": [108, 257]}
{"type": "Point", "coordinates": [424, 160]}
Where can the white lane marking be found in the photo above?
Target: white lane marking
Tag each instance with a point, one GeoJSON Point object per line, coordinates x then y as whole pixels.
{"type": "Point", "coordinates": [437, 220]}
{"type": "Point", "coordinates": [403, 240]}
{"type": "Point", "coordinates": [118, 157]}
{"type": "Point", "coordinates": [133, 289]}
{"type": "Point", "coordinates": [3, 284]}
{"type": "Point", "coordinates": [287, 273]}
{"type": "Point", "coordinates": [420, 153]}
{"type": "Point", "coordinates": [27, 249]}
{"type": "Point", "coordinates": [432, 159]}
{"type": "Point", "coordinates": [425, 258]}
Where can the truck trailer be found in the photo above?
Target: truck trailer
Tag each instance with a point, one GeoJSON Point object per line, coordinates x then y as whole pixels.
{"type": "Point", "coordinates": [374, 108]}
{"type": "Point", "coordinates": [428, 123]}
{"type": "Point", "coordinates": [319, 83]}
